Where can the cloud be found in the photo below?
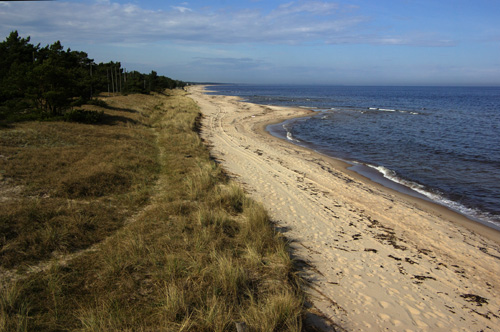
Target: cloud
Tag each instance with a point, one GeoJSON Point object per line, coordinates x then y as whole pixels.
{"type": "Point", "coordinates": [227, 63]}
{"type": "Point", "coordinates": [392, 40]}
{"type": "Point", "coordinates": [104, 21]}
{"type": "Point", "coordinates": [182, 9]}
{"type": "Point", "coordinates": [313, 7]}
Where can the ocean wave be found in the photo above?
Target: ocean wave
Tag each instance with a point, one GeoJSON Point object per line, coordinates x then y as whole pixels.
{"type": "Point", "coordinates": [393, 176]}
{"type": "Point", "coordinates": [392, 110]}
{"type": "Point", "coordinates": [381, 109]}
{"type": "Point", "coordinates": [410, 112]}
{"type": "Point", "coordinates": [474, 213]}
{"type": "Point", "coordinates": [289, 135]}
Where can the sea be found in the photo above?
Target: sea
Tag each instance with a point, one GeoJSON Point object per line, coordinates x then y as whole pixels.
{"type": "Point", "coordinates": [438, 143]}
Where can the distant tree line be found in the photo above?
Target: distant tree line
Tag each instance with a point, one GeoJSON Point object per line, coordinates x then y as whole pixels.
{"type": "Point", "coordinates": [47, 81]}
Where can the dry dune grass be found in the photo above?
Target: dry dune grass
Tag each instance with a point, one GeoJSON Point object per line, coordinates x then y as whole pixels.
{"type": "Point", "coordinates": [197, 255]}
{"type": "Point", "coordinates": [79, 183]}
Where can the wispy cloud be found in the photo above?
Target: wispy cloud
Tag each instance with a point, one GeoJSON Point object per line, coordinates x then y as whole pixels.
{"type": "Point", "coordinates": [313, 7]}
{"type": "Point", "coordinates": [105, 21]}
{"type": "Point", "coordinates": [227, 63]}
{"type": "Point", "coordinates": [409, 39]}
{"type": "Point", "coordinates": [182, 9]}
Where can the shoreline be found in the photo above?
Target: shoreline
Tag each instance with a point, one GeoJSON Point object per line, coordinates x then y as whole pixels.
{"type": "Point", "coordinates": [374, 258]}
{"type": "Point", "coordinates": [488, 229]}
{"type": "Point", "coordinates": [444, 211]}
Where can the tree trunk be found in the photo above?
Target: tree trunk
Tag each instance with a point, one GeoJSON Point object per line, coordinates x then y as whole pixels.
{"type": "Point", "coordinates": [112, 81]}
{"type": "Point", "coordinates": [116, 80]}
{"type": "Point", "coordinates": [107, 75]}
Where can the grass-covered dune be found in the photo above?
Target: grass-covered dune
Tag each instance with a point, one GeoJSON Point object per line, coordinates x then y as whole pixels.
{"type": "Point", "coordinates": [128, 225]}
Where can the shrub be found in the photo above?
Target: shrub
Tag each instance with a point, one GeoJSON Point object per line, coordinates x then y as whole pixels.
{"type": "Point", "coordinates": [97, 102]}
{"type": "Point", "coordinates": [83, 116]}
{"type": "Point", "coordinates": [95, 184]}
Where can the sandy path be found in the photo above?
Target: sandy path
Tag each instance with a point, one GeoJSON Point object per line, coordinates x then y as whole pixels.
{"type": "Point", "coordinates": [377, 260]}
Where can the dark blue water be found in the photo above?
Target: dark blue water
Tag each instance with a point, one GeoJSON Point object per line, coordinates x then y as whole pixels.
{"type": "Point", "coordinates": [443, 142]}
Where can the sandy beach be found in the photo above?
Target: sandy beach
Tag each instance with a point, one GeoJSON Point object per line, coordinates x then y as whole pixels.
{"type": "Point", "coordinates": [375, 259]}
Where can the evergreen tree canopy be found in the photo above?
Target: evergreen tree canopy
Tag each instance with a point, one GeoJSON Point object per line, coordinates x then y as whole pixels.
{"type": "Point", "coordinates": [50, 80]}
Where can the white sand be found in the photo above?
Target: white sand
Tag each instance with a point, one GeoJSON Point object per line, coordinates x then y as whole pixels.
{"type": "Point", "coordinates": [376, 259]}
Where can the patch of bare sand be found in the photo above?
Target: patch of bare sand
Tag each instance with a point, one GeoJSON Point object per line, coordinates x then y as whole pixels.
{"type": "Point", "coordinates": [376, 259]}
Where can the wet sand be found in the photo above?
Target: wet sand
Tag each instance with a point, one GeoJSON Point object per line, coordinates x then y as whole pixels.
{"type": "Point", "coordinates": [375, 259]}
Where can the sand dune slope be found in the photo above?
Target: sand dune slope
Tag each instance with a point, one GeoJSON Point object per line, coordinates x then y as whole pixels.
{"type": "Point", "coordinates": [376, 260]}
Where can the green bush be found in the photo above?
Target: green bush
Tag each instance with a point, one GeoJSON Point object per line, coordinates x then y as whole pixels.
{"type": "Point", "coordinates": [97, 102]}
{"type": "Point", "coordinates": [83, 116]}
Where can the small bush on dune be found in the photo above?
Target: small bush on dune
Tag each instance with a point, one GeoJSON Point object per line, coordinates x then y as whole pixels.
{"type": "Point", "coordinates": [95, 184]}
{"type": "Point", "coordinates": [83, 116]}
{"type": "Point", "coordinates": [230, 197]}
{"type": "Point", "coordinates": [97, 102]}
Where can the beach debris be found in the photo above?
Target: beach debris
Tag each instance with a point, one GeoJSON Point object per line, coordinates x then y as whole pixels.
{"type": "Point", "coordinates": [424, 251]}
{"type": "Point", "coordinates": [409, 260]}
{"type": "Point", "coordinates": [422, 278]}
{"type": "Point", "coordinates": [479, 300]}
{"type": "Point", "coordinates": [390, 239]}
{"type": "Point", "coordinates": [419, 277]}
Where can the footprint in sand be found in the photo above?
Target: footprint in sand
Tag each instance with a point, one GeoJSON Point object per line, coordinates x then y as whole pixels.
{"type": "Point", "coordinates": [429, 315]}
{"type": "Point", "coordinates": [384, 317]}
{"type": "Point", "coordinates": [412, 310]}
{"type": "Point", "coordinates": [392, 291]}
{"type": "Point", "coordinates": [384, 304]}
{"type": "Point", "coordinates": [367, 299]}
{"type": "Point", "coordinates": [441, 325]}
{"type": "Point", "coordinates": [440, 314]}
{"type": "Point", "coordinates": [421, 305]}
{"type": "Point", "coordinates": [421, 324]}
{"type": "Point", "coordinates": [409, 297]}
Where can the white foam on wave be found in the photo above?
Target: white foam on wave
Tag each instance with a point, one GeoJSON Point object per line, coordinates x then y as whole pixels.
{"type": "Point", "coordinates": [436, 197]}
{"type": "Point", "coordinates": [391, 110]}
{"type": "Point", "coordinates": [382, 109]}
{"type": "Point", "coordinates": [392, 175]}
{"type": "Point", "coordinates": [410, 112]}
{"type": "Point", "coordinates": [290, 137]}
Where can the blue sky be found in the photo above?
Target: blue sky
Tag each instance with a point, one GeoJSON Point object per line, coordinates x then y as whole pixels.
{"type": "Point", "coordinates": [352, 42]}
